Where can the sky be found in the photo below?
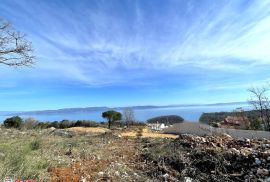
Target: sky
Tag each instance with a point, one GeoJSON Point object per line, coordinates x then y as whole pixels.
{"type": "Point", "coordinates": [136, 52]}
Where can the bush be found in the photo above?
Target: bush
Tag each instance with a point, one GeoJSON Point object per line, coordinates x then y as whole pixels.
{"type": "Point", "coordinates": [256, 124]}
{"type": "Point", "coordinates": [65, 124]}
{"type": "Point", "coordinates": [35, 145]}
{"type": "Point", "coordinates": [30, 123]}
{"type": "Point", "coordinates": [13, 122]}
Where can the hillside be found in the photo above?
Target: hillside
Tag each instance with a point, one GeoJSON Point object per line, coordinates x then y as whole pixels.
{"type": "Point", "coordinates": [214, 117]}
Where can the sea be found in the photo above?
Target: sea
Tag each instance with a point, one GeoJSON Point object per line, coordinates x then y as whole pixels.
{"type": "Point", "coordinates": [189, 113]}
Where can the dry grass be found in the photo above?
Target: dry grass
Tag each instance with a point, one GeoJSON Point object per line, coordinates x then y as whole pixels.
{"type": "Point", "coordinates": [146, 133]}
{"type": "Point", "coordinates": [90, 129]}
{"type": "Point", "coordinates": [45, 156]}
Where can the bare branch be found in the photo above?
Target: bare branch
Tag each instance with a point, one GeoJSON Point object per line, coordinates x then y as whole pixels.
{"type": "Point", "coordinates": [260, 102]}
{"type": "Point", "coordinates": [15, 50]}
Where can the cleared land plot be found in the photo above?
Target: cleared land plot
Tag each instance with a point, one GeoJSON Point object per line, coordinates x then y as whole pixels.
{"type": "Point", "coordinates": [90, 129]}
{"type": "Point", "coordinates": [146, 133]}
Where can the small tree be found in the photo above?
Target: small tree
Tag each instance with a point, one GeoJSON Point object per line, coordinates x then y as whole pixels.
{"type": "Point", "coordinates": [128, 116]}
{"type": "Point", "coordinates": [260, 102]}
{"type": "Point", "coordinates": [111, 116]}
{"type": "Point", "coordinates": [15, 50]}
{"type": "Point", "coordinates": [255, 124]}
{"type": "Point", "coordinates": [30, 123]}
{"type": "Point", "coordinates": [65, 124]}
{"type": "Point", "coordinates": [13, 122]}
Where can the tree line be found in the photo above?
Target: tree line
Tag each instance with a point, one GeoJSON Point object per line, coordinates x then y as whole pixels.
{"type": "Point", "coordinates": [114, 118]}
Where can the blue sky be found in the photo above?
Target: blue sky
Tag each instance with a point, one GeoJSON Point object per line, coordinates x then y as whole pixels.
{"type": "Point", "coordinates": [137, 52]}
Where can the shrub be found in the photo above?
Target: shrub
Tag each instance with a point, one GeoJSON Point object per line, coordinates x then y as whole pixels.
{"type": "Point", "coordinates": [30, 123]}
{"type": "Point", "coordinates": [13, 122]}
{"type": "Point", "coordinates": [54, 124]}
{"type": "Point", "coordinates": [65, 124]}
{"type": "Point", "coordinates": [35, 145]}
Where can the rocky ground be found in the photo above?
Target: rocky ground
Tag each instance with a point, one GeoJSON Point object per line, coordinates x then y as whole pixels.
{"type": "Point", "coordinates": [210, 158]}
{"type": "Point", "coordinates": [135, 154]}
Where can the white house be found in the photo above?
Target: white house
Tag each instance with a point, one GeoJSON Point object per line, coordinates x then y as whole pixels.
{"type": "Point", "coordinates": [157, 126]}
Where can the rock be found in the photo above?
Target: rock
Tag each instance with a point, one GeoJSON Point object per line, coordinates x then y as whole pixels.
{"type": "Point", "coordinates": [246, 151]}
{"type": "Point", "coordinates": [234, 151]}
{"type": "Point", "coordinates": [51, 128]}
{"type": "Point", "coordinates": [101, 173]}
{"type": "Point", "coordinates": [266, 153]}
{"type": "Point", "coordinates": [117, 173]}
{"type": "Point", "coordinates": [63, 133]}
{"type": "Point", "coordinates": [263, 172]}
{"type": "Point", "coordinates": [187, 179]}
{"type": "Point", "coordinates": [226, 136]}
{"type": "Point", "coordinates": [2, 155]}
{"type": "Point", "coordinates": [166, 176]}
{"type": "Point", "coordinates": [258, 161]}
{"type": "Point", "coordinates": [82, 179]}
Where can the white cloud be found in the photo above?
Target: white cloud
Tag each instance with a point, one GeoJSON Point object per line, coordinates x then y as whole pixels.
{"type": "Point", "coordinates": [94, 46]}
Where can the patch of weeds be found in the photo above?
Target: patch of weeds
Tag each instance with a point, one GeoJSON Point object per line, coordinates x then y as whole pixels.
{"type": "Point", "coordinates": [35, 145]}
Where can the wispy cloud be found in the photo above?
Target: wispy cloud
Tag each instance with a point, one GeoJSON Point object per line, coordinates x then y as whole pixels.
{"type": "Point", "coordinates": [128, 43]}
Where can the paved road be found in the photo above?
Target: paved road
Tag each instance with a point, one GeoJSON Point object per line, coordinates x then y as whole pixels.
{"type": "Point", "coordinates": [202, 129]}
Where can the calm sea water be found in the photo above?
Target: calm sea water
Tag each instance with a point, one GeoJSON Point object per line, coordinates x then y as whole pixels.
{"type": "Point", "coordinates": [188, 113]}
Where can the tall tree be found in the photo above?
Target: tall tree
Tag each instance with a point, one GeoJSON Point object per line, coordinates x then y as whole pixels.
{"type": "Point", "coordinates": [111, 116]}
{"type": "Point", "coordinates": [15, 50]}
{"type": "Point", "coordinates": [260, 102]}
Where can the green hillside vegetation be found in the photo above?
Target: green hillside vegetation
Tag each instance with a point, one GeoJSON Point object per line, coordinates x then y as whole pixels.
{"type": "Point", "coordinates": [215, 117]}
{"type": "Point", "coordinates": [168, 119]}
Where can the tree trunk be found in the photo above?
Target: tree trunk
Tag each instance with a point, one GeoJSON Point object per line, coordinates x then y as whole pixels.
{"type": "Point", "coordinates": [109, 124]}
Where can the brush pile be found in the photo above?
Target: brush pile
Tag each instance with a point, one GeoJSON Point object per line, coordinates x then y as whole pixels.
{"type": "Point", "coordinates": [209, 158]}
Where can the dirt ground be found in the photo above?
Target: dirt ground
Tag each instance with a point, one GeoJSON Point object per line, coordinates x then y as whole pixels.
{"type": "Point", "coordinates": [89, 129]}
{"type": "Point", "coordinates": [116, 160]}
{"type": "Point", "coordinates": [147, 133]}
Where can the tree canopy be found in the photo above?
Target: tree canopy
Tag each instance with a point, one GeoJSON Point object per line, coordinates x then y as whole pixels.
{"type": "Point", "coordinates": [111, 116]}
{"type": "Point", "coordinates": [13, 122]}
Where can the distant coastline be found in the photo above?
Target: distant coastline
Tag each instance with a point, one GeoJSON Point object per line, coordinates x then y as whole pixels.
{"type": "Point", "coordinates": [95, 109]}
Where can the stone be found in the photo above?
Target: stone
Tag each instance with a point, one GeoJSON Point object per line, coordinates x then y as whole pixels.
{"type": "Point", "coordinates": [166, 176]}
{"type": "Point", "coordinates": [266, 153]}
{"type": "Point", "coordinates": [117, 173]}
{"type": "Point", "coordinates": [258, 161]}
{"type": "Point", "coordinates": [246, 151]}
{"type": "Point", "coordinates": [234, 151]}
{"type": "Point", "coordinates": [263, 172]}
{"type": "Point", "coordinates": [225, 135]}
{"type": "Point", "coordinates": [101, 173]}
{"type": "Point", "coordinates": [51, 128]}
{"type": "Point", "coordinates": [82, 179]}
{"type": "Point", "coordinates": [187, 179]}
{"type": "Point", "coordinates": [2, 155]}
